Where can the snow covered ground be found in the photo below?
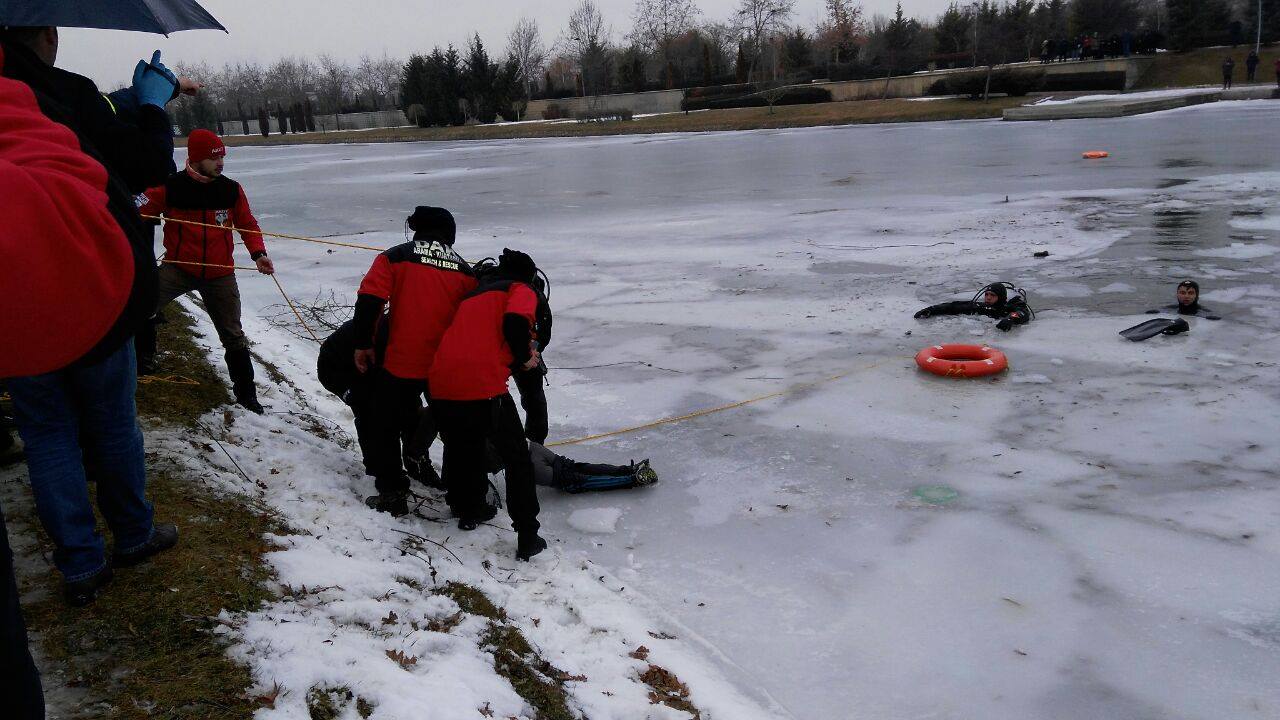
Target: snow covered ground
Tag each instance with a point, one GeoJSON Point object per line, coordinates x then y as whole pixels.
{"type": "Point", "coordinates": [1107, 543]}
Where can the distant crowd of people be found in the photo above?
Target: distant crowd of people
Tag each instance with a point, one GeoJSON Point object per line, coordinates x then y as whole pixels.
{"type": "Point", "coordinates": [1251, 63]}
{"type": "Point", "coordinates": [1093, 46]}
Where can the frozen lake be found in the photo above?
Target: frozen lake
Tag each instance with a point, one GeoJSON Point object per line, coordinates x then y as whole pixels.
{"type": "Point", "coordinates": [1114, 550]}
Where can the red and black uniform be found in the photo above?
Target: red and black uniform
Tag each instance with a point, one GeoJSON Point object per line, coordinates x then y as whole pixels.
{"type": "Point", "coordinates": [491, 334]}
{"type": "Point", "coordinates": [188, 196]}
{"type": "Point", "coordinates": [424, 281]}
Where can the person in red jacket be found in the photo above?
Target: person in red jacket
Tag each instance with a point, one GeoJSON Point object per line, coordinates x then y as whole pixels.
{"type": "Point", "coordinates": [200, 258]}
{"type": "Point", "coordinates": [423, 280]}
{"type": "Point", "coordinates": [490, 336]}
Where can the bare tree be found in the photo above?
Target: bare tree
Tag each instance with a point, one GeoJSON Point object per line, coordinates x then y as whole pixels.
{"type": "Point", "coordinates": [587, 41]}
{"type": "Point", "coordinates": [333, 84]}
{"type": "Point", "coordinates": [723, 38]}
{"type": "Point", "coordinates": [758, 20]}
{"type": "Point", "coordinates": [658, 23]}
{"type": "Point", "coordinates": [524, 45]}
{"type": "Point", "coordinates": [290, 79]}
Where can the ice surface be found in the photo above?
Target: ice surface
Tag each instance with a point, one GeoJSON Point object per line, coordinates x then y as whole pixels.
{"type": "Point", "coordinates": [600, 521]}
{"type": "Point", "coordinates": [1241, 251]}
{"type": "Point", "coordinates": [1114, 549]}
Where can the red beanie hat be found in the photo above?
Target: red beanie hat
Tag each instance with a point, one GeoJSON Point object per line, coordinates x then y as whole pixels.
{"type": "Point", "coordinates": [202, 145]}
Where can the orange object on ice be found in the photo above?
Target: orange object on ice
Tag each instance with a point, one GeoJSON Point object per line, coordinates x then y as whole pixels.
{"type": "Point", "coordinates": [961, 361]}
{"type": "Point", "coordinates": [1096, 154]}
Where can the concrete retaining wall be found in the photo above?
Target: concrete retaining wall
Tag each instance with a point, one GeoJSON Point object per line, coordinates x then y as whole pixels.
{"type": "Point", "coordinates": [325, 123]}
{"type": "Point", "coordinates": [918, 84]}
{"type": "Point", "coordinates": [1119, 107]}
{"type": "Point", "coordinates": [903, 86]}
{"type": "Point", "coordinates": [660, 101]}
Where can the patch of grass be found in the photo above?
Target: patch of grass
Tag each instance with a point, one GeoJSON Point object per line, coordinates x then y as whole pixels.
{"type": "Point", "coordinates": [168, 396]}
{"type": "Point", "coordinates": [831, 113]}
{"type": "Point", "coordinates": [146, 648]}
{"type": "Point", "coordinates": [1204, 67]}
{"type": "Point", "coordinates": [472, 601]}
{"type": "Point", "coordinates": [534, 679]}
{"type": "Point", "coordinates": [328, 703]}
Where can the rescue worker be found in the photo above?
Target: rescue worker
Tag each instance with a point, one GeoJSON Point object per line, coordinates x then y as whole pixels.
{"type": "Point", "coordinates": [993, 301]}
{"type": "Point", "coordinates": [490, 337]}
{"type": "Point", "coordinates": [200, 258]}
{"type": "Point", "coordinates": [338, 374]}
{"type": "Point", "coordinates": [1188, 296]}
{"type": "Point", "coordinates": [423, 280]}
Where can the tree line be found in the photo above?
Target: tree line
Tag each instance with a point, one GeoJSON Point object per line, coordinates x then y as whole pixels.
{"type": "Point", "coordinates": [672, 44]}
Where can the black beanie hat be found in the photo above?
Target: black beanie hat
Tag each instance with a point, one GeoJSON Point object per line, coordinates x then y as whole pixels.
{"type": "Point", "coordinates": [999, 289]}
{"type": "Point", "coordinates": [517, 265]}
{"type": "Point", "coordinates": [1191, 284]}
{"type": "Point", "coordinates": [432, 222]}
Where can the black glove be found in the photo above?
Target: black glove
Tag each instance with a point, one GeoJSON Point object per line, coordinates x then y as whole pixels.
{"type": "Point", "coordinates": [1005, 324]}
{"type": "Point", "coordinates": [923, 314]}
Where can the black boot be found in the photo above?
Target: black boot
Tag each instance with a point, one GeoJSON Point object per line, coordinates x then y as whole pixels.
{"type": "Point", "coordinates": [394, 504]}
{"type": "Point", "coordinates": [164, 537]}
{"type": "Point", "coordinates": [529, 544]}
{"type": "Point", "coordinates": [83, 592]}
{"type": "Point", "coordinates": [240, 365]}
{"type": "Point", "coordinates": [471, 520]}
{"type": "Point", "coordinates": [144, 346]}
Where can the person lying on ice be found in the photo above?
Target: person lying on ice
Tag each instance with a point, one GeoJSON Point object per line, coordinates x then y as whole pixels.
{"type": "Point", "coordinates": [557, 471]}
{"type": "Point", "coordinates": [1188, 295]}
{"type": "Point", "coordinates": [993, 301]}
{"type": "Point", "coordinates": [199, 258]}
{"type": "Point", "coordinates": [491, 336]}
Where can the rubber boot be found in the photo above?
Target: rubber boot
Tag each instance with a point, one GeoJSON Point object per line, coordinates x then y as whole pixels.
{"type": "Point", "coordinates": [240, 365]}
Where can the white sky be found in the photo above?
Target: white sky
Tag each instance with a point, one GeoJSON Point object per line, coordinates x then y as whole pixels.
{"type": "Point", "coordinates": [264, 30]}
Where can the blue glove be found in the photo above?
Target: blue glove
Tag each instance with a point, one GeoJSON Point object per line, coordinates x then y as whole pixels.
{"type": "Point", "coordinates": [154, 85]}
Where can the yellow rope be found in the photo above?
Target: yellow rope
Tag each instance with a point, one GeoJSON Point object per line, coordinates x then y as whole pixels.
{"type": "Point", "coordinates": [714, 410]}
{"type": "Point", "coordinates": [294, 309]}
{"type": "Point", "coordinates": [224, 267]}
{"type": "Point", "coordinates": [232, 228]}
{"type": "Point", "coordinates": [167, 379]}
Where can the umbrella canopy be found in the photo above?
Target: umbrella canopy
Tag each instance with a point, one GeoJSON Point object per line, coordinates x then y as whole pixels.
{"type": "Point", "coordinates": [154, 16]}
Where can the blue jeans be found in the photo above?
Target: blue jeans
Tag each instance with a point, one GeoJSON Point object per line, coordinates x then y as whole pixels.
{"type": "Point", "coordinates": [70, 420]}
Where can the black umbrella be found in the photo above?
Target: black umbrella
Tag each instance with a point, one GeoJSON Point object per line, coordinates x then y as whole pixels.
{"type": "Point", "coordinates": [154, 16]}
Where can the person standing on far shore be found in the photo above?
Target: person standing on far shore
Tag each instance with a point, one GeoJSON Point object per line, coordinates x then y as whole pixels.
{"type": "Point", "coordinates": [1251, 66]}
{"type": "Point", "coordinates": [1228, 69]}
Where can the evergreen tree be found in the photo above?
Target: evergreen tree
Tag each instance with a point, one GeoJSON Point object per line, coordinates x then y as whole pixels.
{"type": "Point", "coordinates": [954, 31]}
{"type": "Point", "coordinates": [1197, 23]}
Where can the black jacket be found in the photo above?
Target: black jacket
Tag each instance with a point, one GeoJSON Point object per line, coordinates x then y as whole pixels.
{"type": "Point", "coordinates": [134, 159]}
{"type": "Point", "coordinates": [336, 365]}
{"type": "Point", "coordinates": [1014, 310]}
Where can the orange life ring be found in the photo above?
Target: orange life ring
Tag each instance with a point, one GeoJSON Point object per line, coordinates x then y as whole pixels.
{"type": "Point", "coordinates": [1096, 154]}
{"type": "Point", "coordinates": [962, 361]}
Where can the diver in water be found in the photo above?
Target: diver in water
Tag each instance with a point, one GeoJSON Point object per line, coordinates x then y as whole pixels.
{"type": "Point", "coordinates": [1188, 295]}
{"type": "Point", "coordinates": [994, 301]}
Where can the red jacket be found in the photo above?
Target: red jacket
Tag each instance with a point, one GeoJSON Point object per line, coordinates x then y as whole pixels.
{"type": "Point", "coordinates": [67, 266]}
{"type": "Point", "coordinates": [424, 281]}
{"type": "Point", "coordinates": [213, 201]}
{"type": "Point", "coordinates": [474, 359]}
